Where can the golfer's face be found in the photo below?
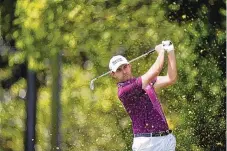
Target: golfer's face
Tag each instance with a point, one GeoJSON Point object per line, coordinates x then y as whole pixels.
{"type": "Point", "coordinates": [123, 73]}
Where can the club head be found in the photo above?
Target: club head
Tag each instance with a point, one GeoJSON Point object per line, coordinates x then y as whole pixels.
{"type": "Point", "coordinates": [92, 86]}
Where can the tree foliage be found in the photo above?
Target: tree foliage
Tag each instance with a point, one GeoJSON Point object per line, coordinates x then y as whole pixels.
{"type": "Point", "coordinates": [88, 33]}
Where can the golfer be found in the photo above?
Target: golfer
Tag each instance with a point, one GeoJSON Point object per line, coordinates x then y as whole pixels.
{"type": "Point", "coordinates": [138, 96]}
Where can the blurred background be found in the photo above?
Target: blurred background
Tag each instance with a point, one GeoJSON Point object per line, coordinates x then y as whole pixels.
{"type": "Point", "coordinates": [51, 49]}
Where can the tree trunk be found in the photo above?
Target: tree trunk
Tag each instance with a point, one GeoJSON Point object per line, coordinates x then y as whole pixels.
{"type": "Point", "coordinates": [56, 108]}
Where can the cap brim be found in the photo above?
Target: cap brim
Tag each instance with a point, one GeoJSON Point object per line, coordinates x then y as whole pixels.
{"type": "Point", "coordinates": [118, 65]}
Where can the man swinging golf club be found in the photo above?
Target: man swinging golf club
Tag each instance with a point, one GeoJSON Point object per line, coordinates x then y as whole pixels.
{"type": "Point", "coordinates": [138, 96]}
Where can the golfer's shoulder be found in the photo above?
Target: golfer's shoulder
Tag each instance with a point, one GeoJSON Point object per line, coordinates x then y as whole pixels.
{"type": "Point", "coordinates": [137, 82]}
{"type": "Point", "coordinates": [130, 86]}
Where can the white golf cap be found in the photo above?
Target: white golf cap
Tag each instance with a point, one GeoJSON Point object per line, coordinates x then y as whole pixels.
{"type": "Point", "coordinates": [116, 62]}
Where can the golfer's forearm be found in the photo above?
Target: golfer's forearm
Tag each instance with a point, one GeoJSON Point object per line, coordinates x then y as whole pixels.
{"type": "Point", "coordinates": [172, 68]}
{"type": "Point", "coordinates": [157, 66]}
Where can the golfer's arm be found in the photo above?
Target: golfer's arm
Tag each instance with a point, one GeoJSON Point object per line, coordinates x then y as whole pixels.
{"type": "Point", "coordinates": [155, 69]}
{"type": "Point", "coordinates": [171, 77]}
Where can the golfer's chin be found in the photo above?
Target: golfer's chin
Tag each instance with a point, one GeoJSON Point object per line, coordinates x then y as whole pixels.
{"type": "Point", "coordinates": [126, 78]}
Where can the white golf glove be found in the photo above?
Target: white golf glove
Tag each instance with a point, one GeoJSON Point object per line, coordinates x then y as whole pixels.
{"type": "Point", "coordinates": [167, 45]}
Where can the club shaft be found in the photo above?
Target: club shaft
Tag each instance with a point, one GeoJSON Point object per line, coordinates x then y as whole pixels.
{"type": "Point", "coordinates": [143, 55]}
{"type": "Point", "coordinates": [101, 75]}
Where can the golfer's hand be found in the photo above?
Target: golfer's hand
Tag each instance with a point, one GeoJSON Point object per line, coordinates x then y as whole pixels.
{"type": "Point", "coordinates": [168, 45]}
{"type": "Point", "coordinates": [159, 48]}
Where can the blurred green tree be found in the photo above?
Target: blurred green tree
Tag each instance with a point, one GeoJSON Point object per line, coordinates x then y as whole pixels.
{"type": "Point", "coordinates": [89, 33]}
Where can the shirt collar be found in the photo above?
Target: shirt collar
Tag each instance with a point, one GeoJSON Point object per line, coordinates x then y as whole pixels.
{"type": "Point", "coordinates": [122, 84]}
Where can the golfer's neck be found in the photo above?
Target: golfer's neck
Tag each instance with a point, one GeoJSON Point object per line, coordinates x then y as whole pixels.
{"type": "Point", "coordinates": [131, 77]}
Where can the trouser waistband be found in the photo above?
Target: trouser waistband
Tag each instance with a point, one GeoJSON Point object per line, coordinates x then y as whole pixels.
{"type": "Point", "coordinates": [155, 134]}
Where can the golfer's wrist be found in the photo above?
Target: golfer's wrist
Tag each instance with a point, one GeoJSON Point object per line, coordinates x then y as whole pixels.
{"type": "Point", "coordinates": [161, 51]}
{"type": "Point", "coordinates": [170, 52]}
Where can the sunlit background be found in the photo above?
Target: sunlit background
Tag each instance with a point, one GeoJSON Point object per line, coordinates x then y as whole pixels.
{"type": "Point", "coordinates": [76, 39]}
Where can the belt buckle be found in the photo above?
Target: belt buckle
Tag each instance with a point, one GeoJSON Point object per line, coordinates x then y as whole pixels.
{"type": "Point", "coordinates": [157, 134]}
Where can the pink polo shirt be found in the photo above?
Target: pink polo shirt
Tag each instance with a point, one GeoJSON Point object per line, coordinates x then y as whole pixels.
{"type": "Point", "coordinates": [142, 106]}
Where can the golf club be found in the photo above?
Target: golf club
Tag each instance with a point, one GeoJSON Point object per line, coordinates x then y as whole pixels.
{"type": "Point", "coordinates": [92, 86]}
